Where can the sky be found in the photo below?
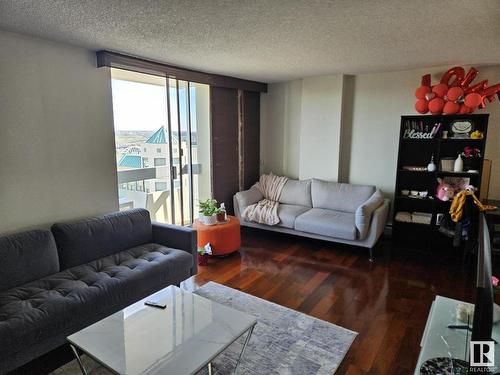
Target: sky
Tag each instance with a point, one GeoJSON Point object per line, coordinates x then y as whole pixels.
{"type": "Point", "coordinates": [142, 106]}
{"type": "Point", "coordinates": [138, 106]}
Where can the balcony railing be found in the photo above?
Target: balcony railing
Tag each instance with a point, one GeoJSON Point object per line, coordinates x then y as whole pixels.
{"type": "Point", "coordinates": [158, 203]}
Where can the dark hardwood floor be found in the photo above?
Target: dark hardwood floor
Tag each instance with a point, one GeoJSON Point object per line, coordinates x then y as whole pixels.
{"type": "Point", "coordinates": [386, 301]}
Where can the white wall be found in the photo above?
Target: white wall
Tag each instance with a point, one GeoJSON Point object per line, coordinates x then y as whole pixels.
{"type": "Point", "coordinates": [347, 129]}
{"type": "Point", "coordinates": [273, 145]}
{"type": "Point", "coordinates": [300, 127]}
{"type": "Point", "coordinates": [292, 129]}
{"type": "Point", "coordinates": [379, 101]}
{"type": "Point", "coordinates": [320, 127]}
{"type": "Point", "coordinates": [57, 157]}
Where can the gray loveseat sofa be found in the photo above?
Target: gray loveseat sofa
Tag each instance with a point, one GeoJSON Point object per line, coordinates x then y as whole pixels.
{"type": "Point", "coordinates": [346, 213]}
{"type": "Point", "coordinates": [54, 283]}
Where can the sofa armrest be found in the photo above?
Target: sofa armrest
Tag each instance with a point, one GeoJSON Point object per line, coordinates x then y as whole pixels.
{"type": "Point", "coordinates": [363, 215]}
{"type": "Point", "coordinates": [177, 237]}
{"type": "Point", "coordinates": [378, 222]}
{"type": "Point", "coordinates": [243, 199]}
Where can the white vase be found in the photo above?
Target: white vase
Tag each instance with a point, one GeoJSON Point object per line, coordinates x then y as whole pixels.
{"type": "Point", "coordinates": [459, 164]}
{"type": "Point", "coordinates": [208, 220]}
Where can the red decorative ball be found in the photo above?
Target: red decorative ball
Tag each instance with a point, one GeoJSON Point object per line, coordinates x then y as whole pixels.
{"type": "Point", "coordinates": [450, 108]}
{"type": "Point", "coordinates": [430, 96]}
{"type": "Point", "coordinates": [464, 109]}
{"type": "Point", "coordinates": [422, 106]}
{"type": "Point", "coordinates": [436, 106]}
{"type": "Point", "coordinates": [421, 91]}
{"type": "Point", "coordinates": [472, 100]}
{"type": "Point", "coordinates": [440, 89]}
{"type": "Point", "coordinates": [454, 93]}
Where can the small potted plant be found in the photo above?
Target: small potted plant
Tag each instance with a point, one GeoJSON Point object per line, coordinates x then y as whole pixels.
{"type": "Point", "coordinates": [208, 211]}
{"type": "Point", "coordinates": [472, 158]}
{"type": "Point", "coordinates": [203, 253]}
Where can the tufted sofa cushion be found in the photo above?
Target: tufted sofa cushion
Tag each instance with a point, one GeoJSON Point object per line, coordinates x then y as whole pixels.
{"type": "Point", "coordinates": [81, 241]}
{"type": "Point", "coordinates": [27, 256]}
{"type": "Point", "coordinates": [67, 301]}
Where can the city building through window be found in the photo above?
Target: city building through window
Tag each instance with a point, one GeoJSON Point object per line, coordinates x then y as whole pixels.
{"type": "Point", "coordinates": [162, 134]}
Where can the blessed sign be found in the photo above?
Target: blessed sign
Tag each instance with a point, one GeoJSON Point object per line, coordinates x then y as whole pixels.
{"type": "Point", "coordinates": [413, 134]}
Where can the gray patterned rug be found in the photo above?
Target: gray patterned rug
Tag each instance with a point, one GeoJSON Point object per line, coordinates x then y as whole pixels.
{"type": "Point", "coordinates": [284, 341]}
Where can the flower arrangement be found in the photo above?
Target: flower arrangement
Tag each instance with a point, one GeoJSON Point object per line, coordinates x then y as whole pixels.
{"type": "Point", "coordinates": [472, 158]}
{"type": "Point", "coordinates": [470, 152]}
{"type": "Point", "coordinates": [203, 253]}
{"type": "Point", "coordinates": [495, 281]}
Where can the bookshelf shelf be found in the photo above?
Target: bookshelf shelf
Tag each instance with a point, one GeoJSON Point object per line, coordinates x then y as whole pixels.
{"type": "Point", "coordinates": [427, 199]}
{"type": "Point", "coordinates": [457, 174]}
{"type": "Point", "coordinates": [418, 152]}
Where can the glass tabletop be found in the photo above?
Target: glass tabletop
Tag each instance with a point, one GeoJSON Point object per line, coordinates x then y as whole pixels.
{"type": "Point", "coordinates": [180, 339]}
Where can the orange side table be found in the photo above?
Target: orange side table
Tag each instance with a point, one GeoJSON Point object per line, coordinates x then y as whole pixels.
{"type": "Point", "coordinates": [225, 238]}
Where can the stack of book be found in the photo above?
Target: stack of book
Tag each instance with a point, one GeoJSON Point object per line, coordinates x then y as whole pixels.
{"type": "Point", "coordinates": [414, 217]}
{"type": "Point", "coordinates": [421, 218]}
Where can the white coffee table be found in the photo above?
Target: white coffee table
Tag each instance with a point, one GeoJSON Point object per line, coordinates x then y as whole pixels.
{"type": "Point", "coordinates": [181, 339]}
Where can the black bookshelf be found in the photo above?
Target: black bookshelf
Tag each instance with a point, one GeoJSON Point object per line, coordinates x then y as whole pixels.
{"type": "Point", "coordinates": [417, 152]}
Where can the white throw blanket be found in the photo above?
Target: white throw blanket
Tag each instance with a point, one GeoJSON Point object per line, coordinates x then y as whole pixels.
{"type": "Point", "coordinates": [266, 210]}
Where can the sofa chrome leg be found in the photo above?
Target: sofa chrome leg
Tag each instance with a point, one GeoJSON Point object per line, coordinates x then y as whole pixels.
{"type": "Point", "coordinates": [371, 255]}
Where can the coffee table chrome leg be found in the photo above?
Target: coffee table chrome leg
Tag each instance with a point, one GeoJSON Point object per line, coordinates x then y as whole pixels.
{"type": "Point", "coordinates": [78, 359]}
{"type": "Point", "coordinates": [209, 368]}
{"type": "Point", "coordinates": [243, 349]}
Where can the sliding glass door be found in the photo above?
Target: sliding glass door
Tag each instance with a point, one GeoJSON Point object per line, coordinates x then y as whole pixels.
{"type": "Point", "coordinates": [162, 137]}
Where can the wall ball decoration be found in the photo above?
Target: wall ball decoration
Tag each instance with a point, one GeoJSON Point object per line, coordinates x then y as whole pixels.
{"type": "Point", "coordinates": [455, 93]}
{"type": "Point", "coordinates": [436, 106]}
{"type": "Point", "coordinates": [440, 89]}
{"type": "Point", "coordinates": [422, 106]}
{"type": "Point", "coordinates": [430, 96]}
{"type": "Point", "coordinates": [451, 108]}
{"type": "Point", "coordinates": [422, 91]}
{"type": "Point", "coordinates": [464, 109]}
{"type": "Point", "coordinates": [473, 100]}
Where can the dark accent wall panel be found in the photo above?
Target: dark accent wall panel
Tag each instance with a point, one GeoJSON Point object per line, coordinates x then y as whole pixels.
{"type": "Point", "coordinates": [251, 138]}
{"type": "Point", "coordinates": [137, 64]}
{"type": "Point", "coordinates": [225, 165]}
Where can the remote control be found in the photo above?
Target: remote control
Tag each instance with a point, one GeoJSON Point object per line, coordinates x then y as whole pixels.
{"type": "Point", "coordinates": [156, 304]}
{"type": "Point", "coordinates": [459, 326]}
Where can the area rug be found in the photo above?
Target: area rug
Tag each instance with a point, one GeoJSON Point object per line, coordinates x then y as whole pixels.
{"type": "Point", "coordinates": [284, 341]}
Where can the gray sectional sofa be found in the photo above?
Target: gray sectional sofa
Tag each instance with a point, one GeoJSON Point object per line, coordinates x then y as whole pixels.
{"type": "Point", "coordinates": [346, 213]}
{"type": "Point", "coordinates": [54, 283]}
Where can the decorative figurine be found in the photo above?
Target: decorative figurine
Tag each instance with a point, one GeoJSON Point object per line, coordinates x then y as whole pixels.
{"type": "Point", "coordinates": [431, 167]}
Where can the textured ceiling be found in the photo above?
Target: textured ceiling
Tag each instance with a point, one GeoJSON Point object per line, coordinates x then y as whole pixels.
{"type": "Point", "coordinates": [272, 40]}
